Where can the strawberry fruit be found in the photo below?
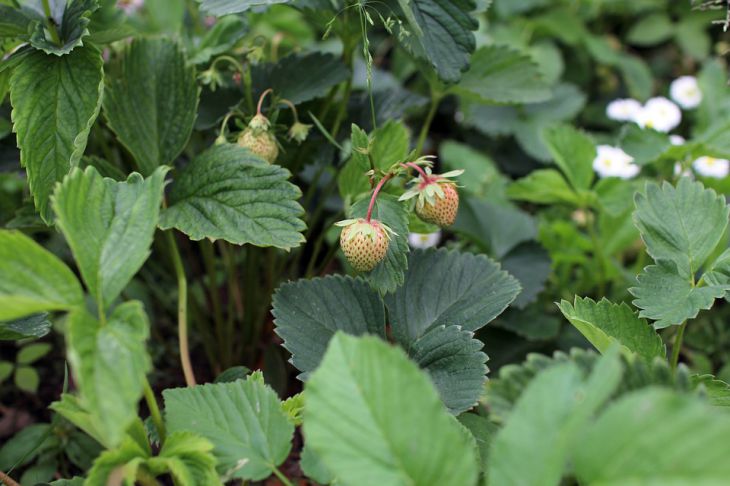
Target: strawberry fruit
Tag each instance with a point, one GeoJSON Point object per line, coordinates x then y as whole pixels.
{"type": "Point", "coordinates": [258, 138]}
{"type": "Point", "coordinates": [438, 200]}
{"type": "Point", "coordinates": [364, 243]}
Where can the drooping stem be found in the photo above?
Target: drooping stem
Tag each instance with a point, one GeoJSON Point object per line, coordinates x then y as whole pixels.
{"type": "Point", "coordinates": [285, 481]}
{"type": "Point", "coordinates": [50, 23]}
{"type": "Point", "coordinates": [7, 480]}
{"type": "Point", "coordinates": [149, 397]}
{"type": "Point", "coordinates": [677, 347]}
{"type": "Point", "coordinates": [182, 309]}
{"type": "Point", "coordinates": [261, 100]}
{"type": "Point", "coordinates": [293, 109]}
{"type": "Point", "coordinates": [375, 196]}
{"type": "Point", "coordinates": [424, 176]}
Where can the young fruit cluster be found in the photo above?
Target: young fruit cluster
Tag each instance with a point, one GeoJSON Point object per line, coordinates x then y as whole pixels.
{"type": "Point", "coordinates": [364, 243]}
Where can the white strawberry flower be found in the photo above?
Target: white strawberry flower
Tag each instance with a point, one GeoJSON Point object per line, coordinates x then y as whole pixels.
{"type": "Point", "coordinates": [686, 92]}
{"type": "Point", "coordinates": [614, 162]}
{"type": "Point", "coordinates": [712, 167]}
{"type": "Point", "coordinates": [424, 240]}
{"type": "Point", "coordinates": [624, 109]}
{"type": "Point", "coordinates": [677, 140]}
{"type": "Point", "coordinates": [660, 114]}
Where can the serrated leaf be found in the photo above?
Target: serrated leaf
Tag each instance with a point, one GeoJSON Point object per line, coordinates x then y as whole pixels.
{"type": "Point", "coordinates": [500, 74]}
{"type": "Point", "coordinates": [543, 186]}
{"type": "Point", "coordinates": [668, 298]}
{"type": "Point", "coordinates": [55, 102]}
{"type": "Point", "coordinates": [360, 419]}
{"type": "Point", "coordinates": [307, 313]}
{"type": "Point", "coordinates": [448, 288]}
{"type": "Point", "coordinates": [301, 77]}
{"type": "Point", "coordinates": [455, 363]}
{"type": "Point", "coordinates": [109, 226]}
{"type": "Point", "coordinates": [573, 152]}
{"type": "Point", "coordinates": [109, 362]}
{"type": "Point", "coordinates": [389, 273]}
{"type": "Point", "coordinates": [606, 324]}
{"type": "Point", "coordinates": [228, 193]}
{"type": "Point", "coordinates": [391, 142]}
{"type": "Point", "coordinates": [225, 7]}
{"type": "Point", "coordinates": [72, 18]}
{"type": "Point", "coordinates": [682, 224]}
{"type": "Point", "coordinates": [121, 462]}
{"type": "Point", "coordinates": [32, 279]}
{"type": "Point", "coordinates": [441, 33]}
{"type": "Point", "coordinates": [188, 458]}
{"type": "Point", "coordinates": [243, 419]}
{"type": "Point", "coordinates": [151, 101]}
{"type": "Point", "coordinates": [644, 439]}
{"type": "Point", "coordinates": [33, 326]}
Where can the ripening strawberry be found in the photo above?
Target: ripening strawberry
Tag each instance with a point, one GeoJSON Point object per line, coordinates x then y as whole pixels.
{"type": "Point", "coordinates": [364, 243]}
{"type": "Point", "coordinates": [258, 138]}
{"type": "Point", "coordinates": [438, 200]}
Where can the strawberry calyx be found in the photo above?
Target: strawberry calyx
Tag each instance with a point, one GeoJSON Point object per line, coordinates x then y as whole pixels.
{"type": "Point", "coordinates": [372, 229]}
{"type": "Point", "coordinates": [428, 186]}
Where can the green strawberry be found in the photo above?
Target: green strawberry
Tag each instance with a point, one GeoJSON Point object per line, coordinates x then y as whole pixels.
{"type": "Point", "coordinates": [365, 243]}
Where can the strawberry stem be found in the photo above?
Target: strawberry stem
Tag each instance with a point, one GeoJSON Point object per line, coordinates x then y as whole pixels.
{"type": "Point", "coordinates": [375, 195]}
{"type": "Point", "coordinates": [292, 107]}
{"type": "Point", "coordinates": [418, 169]}
{"type": "Point", "coordinates": [261, 100]}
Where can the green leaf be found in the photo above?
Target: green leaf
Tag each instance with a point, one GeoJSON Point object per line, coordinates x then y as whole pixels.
{"type": "Point", "coordinates": [225, 7]}
{"type": "Point", "coordinates": [27, 379]}
{"type": "Point", "coordinates": [668, 298]}
{"type": "Point", "coordinates": [531, 265]}
{"type": "Point", "coordinates": [55, 102]}
{"type": "Point", "coordinates": [606, 324]}
{"type": "Point", "coordinates": [226, 32]}
{"type": "Point", "coordinates": [243, 419]}
{"type": "Point", "coordinates": [483, 175]}
{"type": "Point", "coordinates": [545, 422]}
{"type": "Point", "coordinates": [70, 408]}
{"type": "Point", "coordinates": [25, 446]}
{"type": "Point", "coordinates": [109, 362]}
{"type": "Point", "coordinates": [32, 352]}
{"type": "Point", "coordinates": [33, 326]}
{"type": "Point", "coordinates": [573, 152]}
{"type": "Point", "coordinates": [151, 101]}
{"type": "Point", "coordinates": [72, 23]}
{"type": "Point", "coordinates": [692, 37]}
{"type": "Point", "coordinates": [313, 467]}
{"type": "Point", "coordinates": [455, 363]}
{"type": "Point", "coordinates": [228, 193]}
{"type": "Point", "coordinates": [543, 186]}
{"type": "Point", "coordinates": [500, 74]}
{"type": "Point", "coordinates": [32, 279]}
{"type": "Point", "coordinates": [644, 144]}
{"type": "Point", "coordinates": [121, 462]}
{"type": "Point", "coordinates": [391, 142]}
{"type": "Point", "coordinates": [483, 431]}
{"type": "Point", "coordinates": [651, 30]}
{"type": "Point", "coordinates": [682, 224]}
{"type": "Point", "coordinates": [388, 274]}
{"type": "Point", "coordinates": [307, 313]}
{"type": "Point", "coordinates": [441, 33]}
{"type": "Point", "coordinates": [6, 369]}
{"type": "Point", "coordinates": [361, 421]}
{"type": "Point", "coordinates": [232, 374]}
{"type": "Point", "coordinates": [301, 77]}
{"type": "Point", "coordinates": [109, 226]}
{"type": "Point", "coordinates": [13, 23]}
{"type": "Point", "coordinates": [188, 458]}
{"type": "Point", "coordinates": [655, 437]}
{"type": "Point", "coordinates": [448, 288]}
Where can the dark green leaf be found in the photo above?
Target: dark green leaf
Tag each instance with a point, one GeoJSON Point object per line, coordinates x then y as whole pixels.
{"type": "Point", "coordinates": [226, 32]}
{"type": "Point", "coordinates": [35, 326]}
{"type": "Point", "coordinates": [71, 27]}
{"type": "Point", "coordinates": [225, 7]}
{"type": "Point", "coordinates": [531, 265]}
{"type": "Point", "coordinates": [13, 22]}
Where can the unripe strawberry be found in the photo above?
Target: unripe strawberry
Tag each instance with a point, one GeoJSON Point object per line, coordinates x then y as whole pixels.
{"type": "Point", "coordinates": [438, 200]}
{"type": "Point", "coordinates": [364, 243]}
{"type": "Point", "coordinates": [258, 138]}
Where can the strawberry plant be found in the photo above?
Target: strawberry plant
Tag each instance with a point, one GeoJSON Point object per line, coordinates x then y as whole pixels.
{"type": "Point", "coordinates": [354, 242]}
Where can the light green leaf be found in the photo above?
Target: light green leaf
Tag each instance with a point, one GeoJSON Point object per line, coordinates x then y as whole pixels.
{"type": "Point", "coordinates": [188, 458]}
{"type": "Point", "coordinates": [606, 324]}
{"type": "Point", "coordinates": [301, 77]}
{"type": "Point", "coordinates": [226, 32]}
{"type": "Point", "coordinates": [361, 421]}
{"type": "Point", "coordinates": [151, 101]}
{"type": "Point", "coordinates": [313, 467]}
{"type": "Point", "coordinates": [651, 30]}
{"type": "Point", "coordinates": [225, 7]}
{"type": "Point", "coordinates": [122, 462]}
{"type": "Point", "coordinates": [109, 362]}
{"type": "Point", "coordinates": [668, 298]}
{"type": "Point", "coordinates": [391, 142]}
{"type": "Point", "coordinates": [644, 144]}
{"type": "Point", "coordinates": [109, 226]}
{"type": "Point", "coordinates": [483, 431]}
{"type": "Point", "coordinates": [307, 313]}
{"type": "Point", "coordinates": [546, 420]}
{"type": "Point", "coordinates": [455, 363]}
{"type": "Point", "coordinates": [440, 32]}
{"type": "Point", "coordinates": [228, 193]}
{"type": "Point", "coordinates": [27, 379]}
{"type": "Point", "coordinates": [72, 18]}
{"type": "Point", "coordinates": [682, 224]}
{"type": "Point", "coordinates": [55, 102]}
{"type": "Point", "coordinates": [250, 433]}
{"type": "Point", "coordinates": [33, 326]}
{"type": "Point", "coordinates": [70, 408]}
{"type": "Point", "coordinates": [573, 152]}
{"type": "Point", "coordinates": [389, 273]}
{"type": "Point", "coordinates": [32, 279]}
{"type": "Point", "coordinates": [500, 74]}
{"type": "Point", "coordinates": [32, 352]}
{"type": "Point", "coordinates": [655, 437]}
{"type": "Point", "coordinates": [543, 186]}
{"type": "Point", "coordinates": [6, 369]}
{"type": "Point", "coordinates": [448, 288]}
{"type": "Point", "coordinates": [25, 446]}
{"type": "Point", "coordinates": [483, 177]}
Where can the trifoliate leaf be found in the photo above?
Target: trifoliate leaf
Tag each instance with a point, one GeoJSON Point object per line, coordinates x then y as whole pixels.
{"type": "Point", "coordinates": [71, 21]}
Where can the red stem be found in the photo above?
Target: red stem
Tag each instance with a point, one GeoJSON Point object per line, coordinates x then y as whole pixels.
{"type": "Point", "coordinates": [418, 168]}
{"type": "Point", "coordinates": [375, 195]}
{"type": "Point", "coordinates": [261, 100]}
